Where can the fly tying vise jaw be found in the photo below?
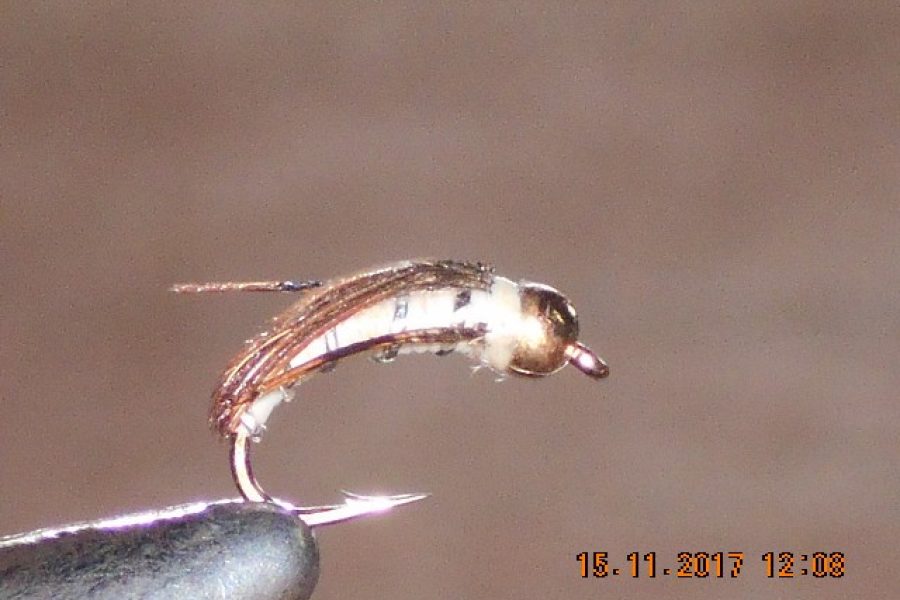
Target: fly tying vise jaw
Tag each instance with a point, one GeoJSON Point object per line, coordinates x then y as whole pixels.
{"type": "Point", "coordinates": [441, 307]}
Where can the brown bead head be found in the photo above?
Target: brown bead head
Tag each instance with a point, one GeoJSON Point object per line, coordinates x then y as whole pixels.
{"type": "Point", "coordinates": [549, 336]}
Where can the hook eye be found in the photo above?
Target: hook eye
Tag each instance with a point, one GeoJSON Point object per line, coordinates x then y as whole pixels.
{"type": "Point", "coordinates": [584, 359]}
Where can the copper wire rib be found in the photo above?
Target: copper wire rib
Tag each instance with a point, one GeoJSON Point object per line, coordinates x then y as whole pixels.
{"type": "Point", "coordinates": [417, 336]}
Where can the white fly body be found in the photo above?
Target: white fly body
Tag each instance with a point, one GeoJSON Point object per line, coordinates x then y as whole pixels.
{"type": "Point", "coordinates": [498, 308]}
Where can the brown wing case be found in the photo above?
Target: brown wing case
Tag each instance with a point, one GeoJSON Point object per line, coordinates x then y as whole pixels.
{"type": "Point", "coordinates": [265, 358]}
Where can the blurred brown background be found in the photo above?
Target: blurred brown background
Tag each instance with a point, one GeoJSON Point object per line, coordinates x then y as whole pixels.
{"type": "Point", "coordinates": [716, 188]}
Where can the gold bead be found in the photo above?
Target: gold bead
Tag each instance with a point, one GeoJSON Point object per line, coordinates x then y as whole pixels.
{"type": "Point", "coordinates": [549, 328]}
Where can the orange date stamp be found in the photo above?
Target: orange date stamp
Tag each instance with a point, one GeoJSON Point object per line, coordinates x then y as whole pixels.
{"type": "Point", "coordinates": [712, 565]}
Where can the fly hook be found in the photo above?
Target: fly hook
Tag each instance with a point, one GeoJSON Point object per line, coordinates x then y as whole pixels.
{"type": "Point", "coordinates": [522, 328]}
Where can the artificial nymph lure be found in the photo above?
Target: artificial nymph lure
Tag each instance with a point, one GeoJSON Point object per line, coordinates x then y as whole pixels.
{"type": "Point", "coordinates": [441, 307]}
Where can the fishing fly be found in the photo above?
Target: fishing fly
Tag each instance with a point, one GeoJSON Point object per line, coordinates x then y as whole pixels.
{"type": "Point", "coordinates": [440, 307]}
